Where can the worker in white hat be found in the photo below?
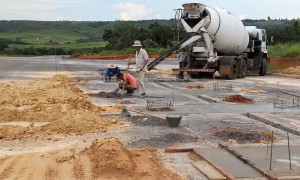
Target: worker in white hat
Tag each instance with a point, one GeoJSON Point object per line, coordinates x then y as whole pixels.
{"type": "Point", "coordinates": [110, 71]}
{"type": "Point", "coordinates": [141, 61]}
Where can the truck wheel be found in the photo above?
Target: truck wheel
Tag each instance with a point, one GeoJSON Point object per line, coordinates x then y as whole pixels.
{"type": "Point", "coordinates": [242, 69]}
{"type": "Point", "coordinates": [263, 67]}
{"type": "Point", "coordinates": [233, 70]}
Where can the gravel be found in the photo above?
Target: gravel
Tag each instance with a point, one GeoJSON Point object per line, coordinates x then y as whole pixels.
{"type": "Point", "coordinates": [164, 141]}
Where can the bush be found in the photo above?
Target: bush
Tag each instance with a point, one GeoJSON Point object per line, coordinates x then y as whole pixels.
{"type": "Point", "coordinates": [285, 50]}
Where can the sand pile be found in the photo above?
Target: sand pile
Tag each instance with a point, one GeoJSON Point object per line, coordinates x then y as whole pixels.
{"type": "Point", "coordinates": [292, 70]}
{"type": "Point", "coordinates": [104, 159]}
{"type": "Point", "coordinates": [55, 101]}
{"type": "Point", "coordinates": [253, 90]}
{"type": "Point", "coordinates": [198, 86]}
{"type": "Point", "coordinates": [238, 99]}
{"type": "Point", "coordinates": [111, 160]}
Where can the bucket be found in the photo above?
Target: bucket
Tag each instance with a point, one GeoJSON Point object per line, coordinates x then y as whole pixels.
{"type": "Point", "coordinates": [173, 120]}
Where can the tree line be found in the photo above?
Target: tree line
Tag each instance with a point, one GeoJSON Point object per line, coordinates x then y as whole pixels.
{"type": "Point", "coordinates": [122, 35]}
{"type": "Point", "coordinates": [289, 34]}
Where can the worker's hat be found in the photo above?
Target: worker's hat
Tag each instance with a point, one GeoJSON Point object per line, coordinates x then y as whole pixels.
{"type": "Point", "coordinates": [137, 43]}
{"type": "Point", "coordinates": [111, 66]}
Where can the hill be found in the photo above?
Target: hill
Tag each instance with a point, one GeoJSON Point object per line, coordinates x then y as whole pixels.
{"type": "Point", "coordinates": [39, 32]}
{"type": "Point", "coordinates": [81, 37]}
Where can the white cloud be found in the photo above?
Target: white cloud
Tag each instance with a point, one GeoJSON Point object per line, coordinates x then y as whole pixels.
{"type": "Point", "coordinates": [37, 4]}
{"type": "Point", "coordinates": [36, 9]}
{"type": "Point", "coordinates": [131, 11]}
{"type": "Point", "coordinates": [242, 17]}
{"type": "Point", "coordinates": [40, 16]}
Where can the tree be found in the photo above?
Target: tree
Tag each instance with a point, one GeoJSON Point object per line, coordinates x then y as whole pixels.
{"type": "Point", "coordinates": [161, 34]}
{"type": "Point", "coordinates": [121, 36]}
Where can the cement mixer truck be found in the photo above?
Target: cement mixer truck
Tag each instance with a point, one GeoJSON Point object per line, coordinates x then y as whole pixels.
{"type": "Point", "coordinates": [217, 43]}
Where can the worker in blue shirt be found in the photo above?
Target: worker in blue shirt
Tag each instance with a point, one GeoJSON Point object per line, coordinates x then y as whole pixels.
{"type": "Point", "coordinates": [110, 71]}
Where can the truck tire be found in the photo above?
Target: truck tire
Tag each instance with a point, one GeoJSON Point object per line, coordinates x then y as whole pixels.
{"type": "Point", "coordinates": [196, 76]}
{"type": "Point", "coordinates": [233, 70]}
{"type": "Point", "coordinates": [228, 66]}
{"type": "Point", "coordinates": [242, 69]}
{"type": "Point", "coordinates": [263, 67]}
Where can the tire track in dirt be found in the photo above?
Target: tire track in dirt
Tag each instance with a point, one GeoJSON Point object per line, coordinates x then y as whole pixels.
{"type": "Point", "coordinates": [20, 168]}
{"type": "Point", "coordinates": [105, 159]}
{"type": "Point", "coordinates": [80, 170]}
{"type": "Point", "coordinates": [51, 173]}
{"type": "Point", "coordinates": [7, 166]}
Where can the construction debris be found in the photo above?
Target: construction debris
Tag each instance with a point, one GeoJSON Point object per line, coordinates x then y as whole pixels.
{"type": "Point", "coordinates": [163, 141]}
{"type": "Point", "coordinates": [233, 135]}
{"type": "Point", "coordinates": [115, 95]}
{"type": "Point", "coordinates": [238, 99]}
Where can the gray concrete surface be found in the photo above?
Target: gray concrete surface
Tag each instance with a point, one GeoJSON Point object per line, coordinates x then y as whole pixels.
{"type": "Point", "coordinates": [204, 111]}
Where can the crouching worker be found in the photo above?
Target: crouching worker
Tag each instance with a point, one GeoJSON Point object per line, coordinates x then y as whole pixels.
{"type": "Point", "coordinates": [111, 71]}
{"type": "Point", "coordinates": [129, 83]}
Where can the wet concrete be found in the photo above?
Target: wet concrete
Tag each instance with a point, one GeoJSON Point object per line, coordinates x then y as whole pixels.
{"type": "Point", "coordinates": [280, 166]}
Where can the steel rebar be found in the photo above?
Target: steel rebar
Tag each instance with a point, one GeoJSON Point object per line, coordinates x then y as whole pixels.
{"type": "Point", "coordinates": [288, 137]}
{"type": "Point", "coordinates": [271, 151]}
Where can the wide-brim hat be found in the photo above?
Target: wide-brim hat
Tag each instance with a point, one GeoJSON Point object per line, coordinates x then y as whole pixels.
{"type": "Point", "coordinates": [111, 66]}
{"type": "Point", "coordinates": [137, 44]}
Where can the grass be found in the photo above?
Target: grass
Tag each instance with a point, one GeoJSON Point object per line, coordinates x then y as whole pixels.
{"type": "Point", "coordinates": [285, 50]}
{"type": "Point", "coordinates": [72, 45]}
{"type": "Point", "coordinates": [272, 68]}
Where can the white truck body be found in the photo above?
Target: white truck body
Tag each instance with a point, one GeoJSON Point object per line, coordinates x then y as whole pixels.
{"type": "Point", "coordinates": [219, 43]}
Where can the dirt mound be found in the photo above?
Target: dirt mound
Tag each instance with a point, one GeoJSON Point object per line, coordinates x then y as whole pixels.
{"type": "Point", "coordinates": [112, 160]}
{"type": "Point", "coordinates": [285, 65]}
{"type": "Point", "coordinates": [104, 159]}
{"type": "Point", "coordinates": [292, 70]}
{"type": "Point", "coordinates": [198, 86]}
{"type": "Point", "coordinates": [243, 136]}
{"type": "Point", "coordinates": [63, 106]}
{"type": "Point", "coordinates": [284, 62]}
{"type": "Point", "coordinates": [238, 99]}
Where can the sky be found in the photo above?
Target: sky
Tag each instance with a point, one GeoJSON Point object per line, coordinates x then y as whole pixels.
{"type": "Point", "coordinates": [112, 10]}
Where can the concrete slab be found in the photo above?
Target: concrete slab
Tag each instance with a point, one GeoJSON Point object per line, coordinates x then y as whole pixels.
{"type": "Point", "coordinates": [290, 120]}
{"type": "Point", "coordinates": [260, 155]}
{"type": "Point", "coordinates": [228, 163]}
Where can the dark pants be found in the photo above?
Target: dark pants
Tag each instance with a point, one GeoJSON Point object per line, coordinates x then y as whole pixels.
{"type": "Point", "coordinates": [181, 73]}
{"type": "Point", "coordinates": [128, 88]}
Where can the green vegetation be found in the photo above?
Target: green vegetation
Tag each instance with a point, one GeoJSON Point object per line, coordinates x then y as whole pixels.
{"type": "Point", "coordinates": [285, 50]}
{"type": "Point", "coordinates": [72, 37]}
{"type": "Point", "coordinates": [272, 68]}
